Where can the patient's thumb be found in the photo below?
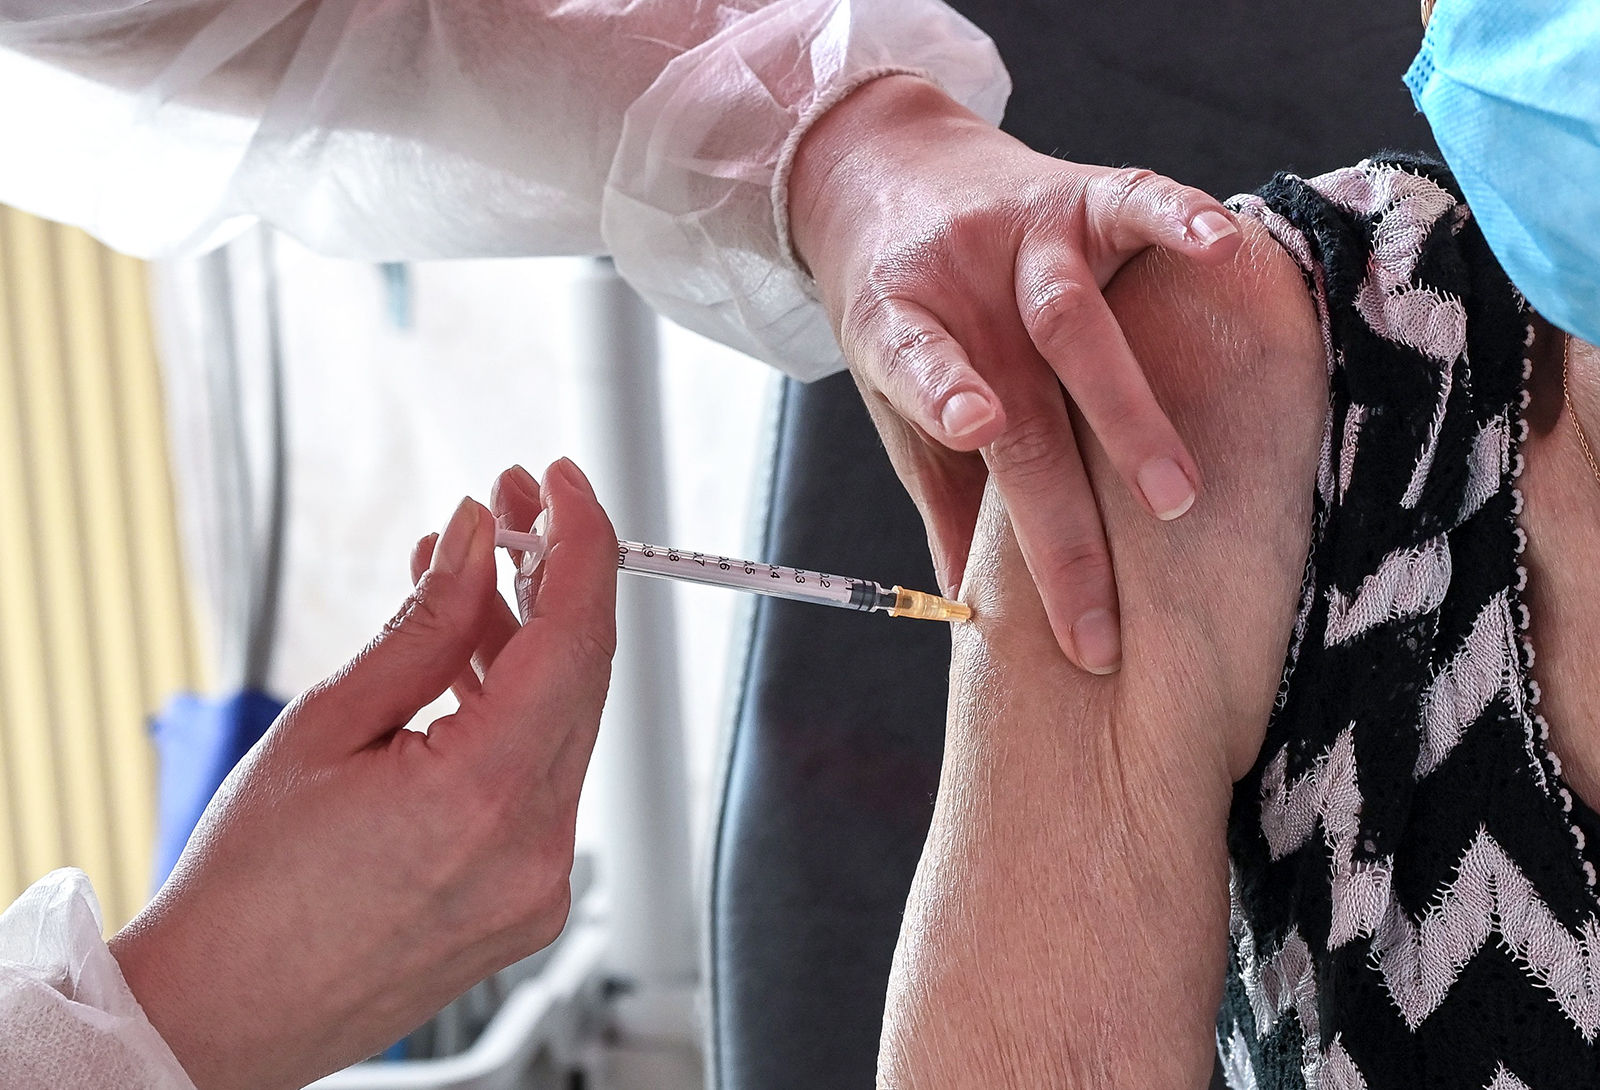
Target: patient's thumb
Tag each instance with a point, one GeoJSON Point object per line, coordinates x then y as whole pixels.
{"type": "Point", "coordinates": [427, 644]}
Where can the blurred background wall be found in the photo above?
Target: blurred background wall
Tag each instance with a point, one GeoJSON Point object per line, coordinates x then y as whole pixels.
{"type": "Point", "coordinates": [95, 625]}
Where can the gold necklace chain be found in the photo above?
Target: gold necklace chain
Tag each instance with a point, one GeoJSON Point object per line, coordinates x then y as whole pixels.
{"type": "Point", "coordinates": [1577, 426]}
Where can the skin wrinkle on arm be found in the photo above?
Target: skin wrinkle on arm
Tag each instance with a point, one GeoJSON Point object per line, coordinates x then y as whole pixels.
{"type": "Point", "coordinates": [1067, 926]}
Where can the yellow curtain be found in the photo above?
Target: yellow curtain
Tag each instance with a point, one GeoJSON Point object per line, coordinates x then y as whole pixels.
{"type": "Point", "coordinates": [95, 626]}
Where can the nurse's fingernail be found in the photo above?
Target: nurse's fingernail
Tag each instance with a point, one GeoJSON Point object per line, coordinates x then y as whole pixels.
{"type": "Point", "coordinates": [456, 542]}
{"type": "Point", "coordinates": [574, 476]}
{"type": "Point", "coordinates": [1212, 227]}
{"type": "Point", "coordinates": [523, 482]}
{"type": "Point", "coordinates": [1166, 488]}
{"type": "Point", "coordinates": [1099, 641]}
{"type": "Point", "coordinates": [424, 547]}
{"type": "Point", "coordinates": [964, 413]}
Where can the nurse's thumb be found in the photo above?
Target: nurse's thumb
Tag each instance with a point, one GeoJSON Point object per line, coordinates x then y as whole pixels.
{"type": "Point", "coordinates": [1129, 210]}
{"type": "Point", "coordinates": [425, 647]}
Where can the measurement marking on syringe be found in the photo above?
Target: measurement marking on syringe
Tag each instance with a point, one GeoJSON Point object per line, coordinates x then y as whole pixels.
{"type": "Point", "coordinates": [776, 580]}
{"type": "Point", "coordinates": [720, 570]}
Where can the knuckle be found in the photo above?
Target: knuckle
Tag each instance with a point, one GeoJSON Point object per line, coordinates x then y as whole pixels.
{"type": "Point", "coordinates": [595, 645]}
{"type": "Point", "coordinates": [910, 349]}
{"type": "Point", "coordinates": [1119, 406]}
{"type": "Point", "coordinates": [552, 921]}
{"type": "Point", "coordinates": [1081, 563]}
{"type": "Point", "coordinates": [543, 881]}
{"type": "Point", "coordinates": [419, 614]}
{"type": "Point", "coordinates": [896, 271]}
{"type": "Point", "coordinates": [861, 331]}
{"type": "Point", "coordinates": [1053, 193]}
{"type": "Point", "coordinates": [897, 352]}
{"type": "Point", "coordinates": [1057, 311]}
{"type": "Point", "coordinates": [540, 897]}
{"type": "Point", "coordinates": [1031, 447]}
{"type": "Point", "coordinates": [1123, 190]}
{"type": "Point", "coordinates": [1121, 419]}
{"type": "Point", "coordinates": [531, 911]}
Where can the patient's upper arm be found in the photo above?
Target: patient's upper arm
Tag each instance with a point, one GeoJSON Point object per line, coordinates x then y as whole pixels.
{"type": "Point", "coordinates": [1068, 922]}
{"type": "Point", "coordinates": [1236, 358]}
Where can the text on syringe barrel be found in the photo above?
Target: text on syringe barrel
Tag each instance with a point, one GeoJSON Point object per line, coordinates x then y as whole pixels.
{"type": "Point", "coordinates": [776, 580]}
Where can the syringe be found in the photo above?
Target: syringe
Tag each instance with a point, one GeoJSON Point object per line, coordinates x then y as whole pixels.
{"type": "Point", "coordinates": [775, 580]}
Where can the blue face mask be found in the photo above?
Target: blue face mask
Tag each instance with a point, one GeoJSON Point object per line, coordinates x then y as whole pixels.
{"type": "Point", "coordinates": [1512, 91]}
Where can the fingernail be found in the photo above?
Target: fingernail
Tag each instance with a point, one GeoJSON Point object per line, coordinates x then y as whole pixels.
{"type": "Point", "coordinates": [1211, 227]}
{"type": "Point", "coordinates": [1166, 488]}
{"type": "Point", "coordinates": [424, 547]}
{"type": "Point", "coordinates": [964, 413]}
{"type": "Point", "coordinates": [1099, 642]}
{"type": "Point", "coordinates": [456, 542]}
{"type": "Point", "coordinates": [574, 476]}
{"type": "Point", "coordinates": [524, 482]}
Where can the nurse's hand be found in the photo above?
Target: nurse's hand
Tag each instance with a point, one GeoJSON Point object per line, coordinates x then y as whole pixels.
{"type": "Point", "coordinates": [963, 274]}
{"type": "Point", "coordinates": [351, 877]}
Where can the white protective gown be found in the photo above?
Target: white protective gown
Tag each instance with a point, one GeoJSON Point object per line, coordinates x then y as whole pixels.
{"type": "Point", "coordinates": [658, 131]}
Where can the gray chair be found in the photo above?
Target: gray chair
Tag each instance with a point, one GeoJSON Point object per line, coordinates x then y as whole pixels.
{"type": "Point", "coordinates": [835, 761]}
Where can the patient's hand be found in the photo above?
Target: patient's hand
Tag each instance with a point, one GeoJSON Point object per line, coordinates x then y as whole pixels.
{"type": "Point", "coordinates": [1068, 922]}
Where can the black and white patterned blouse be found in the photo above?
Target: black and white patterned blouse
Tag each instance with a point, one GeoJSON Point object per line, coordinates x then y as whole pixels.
{"type": "Point", "coordinates": [1413, 884]}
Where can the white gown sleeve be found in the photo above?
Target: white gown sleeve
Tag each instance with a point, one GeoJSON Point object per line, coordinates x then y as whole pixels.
{"type": "Point", "coordinates": [67, 1018]}
{"type": "Point", "coordinates": [658, 131]}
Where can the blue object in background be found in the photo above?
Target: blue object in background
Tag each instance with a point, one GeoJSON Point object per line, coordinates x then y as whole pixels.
{"type": "Point", "coordinates": [198, 741]}
{"type": "Point", "coordinates": [397, 293]}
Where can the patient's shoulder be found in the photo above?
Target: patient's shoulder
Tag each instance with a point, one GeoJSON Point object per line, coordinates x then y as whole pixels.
{"type": "Point", "coordinates": [1219, 343]}
{"type": "Point", "coordinates": [1235, 355]}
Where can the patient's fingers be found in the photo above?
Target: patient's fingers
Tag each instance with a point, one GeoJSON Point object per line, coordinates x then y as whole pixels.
{"type": "Point", "coordinates": [1040, 474]}
{"type": "Point", "coordinates": [1076, 332]}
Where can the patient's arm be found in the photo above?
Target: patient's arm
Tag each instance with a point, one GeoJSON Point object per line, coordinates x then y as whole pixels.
{"type": "Point", "coordinates": [1068, 923]}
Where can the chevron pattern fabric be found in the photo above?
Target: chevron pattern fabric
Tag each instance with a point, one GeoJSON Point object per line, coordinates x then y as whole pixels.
{"type": "Point", "coordinates": [1413, 884]}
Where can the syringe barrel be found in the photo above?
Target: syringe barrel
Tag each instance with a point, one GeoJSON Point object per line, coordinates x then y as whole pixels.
{"type": "Point", "coordinates": [774, 580]}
